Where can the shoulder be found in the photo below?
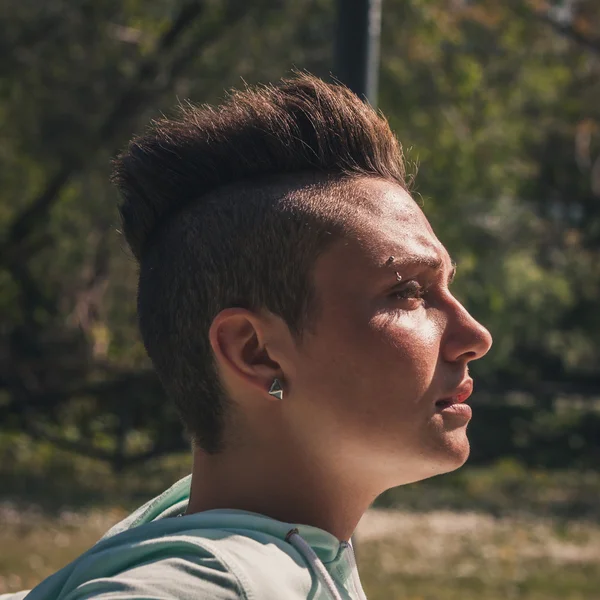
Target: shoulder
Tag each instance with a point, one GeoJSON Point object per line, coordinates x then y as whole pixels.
{"type": "Point", "coordinates": [220, 565]}
{"type": "Point", "coordinates": [272, 567]}
{"type": "Point", "coordinates": [183, 577]}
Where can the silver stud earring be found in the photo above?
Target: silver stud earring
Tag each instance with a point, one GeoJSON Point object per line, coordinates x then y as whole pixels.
{"type": "Point", "coordinates": [276, 389]}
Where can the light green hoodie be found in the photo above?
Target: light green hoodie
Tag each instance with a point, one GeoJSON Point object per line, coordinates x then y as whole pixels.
{"type": "Point", "coordinates": [221, 554]}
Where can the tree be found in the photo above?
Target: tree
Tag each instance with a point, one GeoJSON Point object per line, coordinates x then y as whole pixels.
{"type": "Point", "coordinates": [496, 102]}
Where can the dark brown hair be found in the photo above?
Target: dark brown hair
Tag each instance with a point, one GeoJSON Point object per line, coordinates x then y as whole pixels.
{"type": "Point", "coordinates": [230, 206]}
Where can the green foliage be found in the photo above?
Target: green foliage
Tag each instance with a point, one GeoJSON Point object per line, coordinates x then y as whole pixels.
{"type": "Point", "coordinates": [497, 104]}
{"type": "Point", "coordinates": [39, 476]}
{"type": "Point", "coordinates": [506, 488]}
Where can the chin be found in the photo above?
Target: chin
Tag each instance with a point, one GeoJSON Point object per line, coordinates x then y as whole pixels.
{"type": "Point", "coordinates": [457, 454]}
{"type": "Point", "coordinates": [452, 453]}
{"type": "Point", "coordinates": [444, 458]}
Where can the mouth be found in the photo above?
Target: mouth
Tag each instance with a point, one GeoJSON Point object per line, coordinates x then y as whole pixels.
{"type": "Point", "coordinates": [455, 402]}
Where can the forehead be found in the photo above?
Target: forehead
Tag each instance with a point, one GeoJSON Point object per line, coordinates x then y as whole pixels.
{"type": "Point", "coordinates": [384, 221]}
{"type": "Point", "coordinates": [390, 223]}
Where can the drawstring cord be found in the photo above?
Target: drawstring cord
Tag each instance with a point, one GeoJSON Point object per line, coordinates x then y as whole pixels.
{"type": "Point", "coordinates": [293, 537]}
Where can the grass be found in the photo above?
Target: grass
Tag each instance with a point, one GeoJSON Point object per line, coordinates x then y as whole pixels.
{"type": "Point", "coordinates": [34, 544]}
{"type": "Point", "coordinates": [451, 556]}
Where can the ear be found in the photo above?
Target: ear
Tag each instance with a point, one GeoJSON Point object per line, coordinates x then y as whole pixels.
{"type": "Point", "coordinates": [239, 340]}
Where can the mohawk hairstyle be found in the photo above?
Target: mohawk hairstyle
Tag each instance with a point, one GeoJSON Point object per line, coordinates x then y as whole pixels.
{"type": "Point", "coordinates": [230, 206]}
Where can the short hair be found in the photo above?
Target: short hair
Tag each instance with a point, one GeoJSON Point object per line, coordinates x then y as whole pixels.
{"type": "Point", "coordinates": [230, 207]}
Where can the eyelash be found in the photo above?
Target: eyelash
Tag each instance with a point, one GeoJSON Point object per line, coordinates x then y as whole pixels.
{"type": "Point", "coordinates": [416, 287]}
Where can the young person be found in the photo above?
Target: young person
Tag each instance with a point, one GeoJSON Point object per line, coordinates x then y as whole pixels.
{"type": "Point", "coordinates": [295, 303]}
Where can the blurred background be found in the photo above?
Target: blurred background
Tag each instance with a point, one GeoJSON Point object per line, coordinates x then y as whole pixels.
{"type": "Point", "coordinates": [498, 107]}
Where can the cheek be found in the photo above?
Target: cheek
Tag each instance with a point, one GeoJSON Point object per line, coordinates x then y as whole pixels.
{"type": "Point", "coordinates": [408, 346]}
{"type": "Point", "coordinates": [362, 370]}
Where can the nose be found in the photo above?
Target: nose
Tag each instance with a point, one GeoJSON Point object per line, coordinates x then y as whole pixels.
{"type": "Point", "coordinates": [465, 339]}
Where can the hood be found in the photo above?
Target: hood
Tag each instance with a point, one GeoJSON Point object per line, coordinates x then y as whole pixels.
{"type": "Point", "coordinates": [329, 559]}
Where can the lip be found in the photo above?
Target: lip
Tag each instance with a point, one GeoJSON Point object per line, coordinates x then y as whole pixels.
{"type": "Point", "coordinates": [454, 402]}
{"type": "Point", "coordinates": [464, 411]}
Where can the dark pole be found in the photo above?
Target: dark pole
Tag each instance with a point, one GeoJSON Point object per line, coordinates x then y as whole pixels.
{"type": "Point", "coordinates": [356, 61]}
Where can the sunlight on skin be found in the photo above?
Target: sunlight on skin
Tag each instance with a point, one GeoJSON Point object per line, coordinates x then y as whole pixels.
{"type": "Point", "coordinates": [360, 414]}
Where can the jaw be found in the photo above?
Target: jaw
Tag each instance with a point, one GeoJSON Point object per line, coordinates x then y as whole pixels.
{"type": "Point", "coordinates": [437, 456]}
{"type": "Point", "coordinates": [446, 449]}
{"type": "Point", "coordinates": [454, 449]}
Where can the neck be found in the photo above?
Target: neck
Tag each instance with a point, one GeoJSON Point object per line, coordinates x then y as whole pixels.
{"type": "Point", "coordinates": [293, 490]}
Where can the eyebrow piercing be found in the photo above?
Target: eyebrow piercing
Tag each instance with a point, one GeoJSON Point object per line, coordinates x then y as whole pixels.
{"type": "Point", "coordinates": [389, 261]}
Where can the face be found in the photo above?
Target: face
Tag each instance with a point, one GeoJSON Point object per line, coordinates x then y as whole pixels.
{"type": "Point", "coordinates": [390, 348]}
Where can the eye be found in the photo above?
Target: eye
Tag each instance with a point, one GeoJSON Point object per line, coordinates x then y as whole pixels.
{"type": "Point", "coordinates": [409, 290]}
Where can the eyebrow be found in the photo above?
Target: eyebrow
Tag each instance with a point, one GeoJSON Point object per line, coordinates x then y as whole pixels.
{"type": "Point", "coordinates": [435, 263]}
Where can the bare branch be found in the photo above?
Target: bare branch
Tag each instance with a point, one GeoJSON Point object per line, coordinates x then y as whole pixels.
{"type": "Point", "coordinates": [133, 100]}
{"type": "Point", "coordinates": [568, 31]}
{"type": "Point", "coordinates": [34, 431]}
{"type": "Point", "coordinates": [23, 223]}
{"type": "Point", "coordinates": [117, 458]}
{"type": "Point", "coordinates": [129, 103]}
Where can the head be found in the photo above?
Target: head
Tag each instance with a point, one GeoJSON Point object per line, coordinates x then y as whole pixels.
{"type": "Point", "coordinates": [276, 238]}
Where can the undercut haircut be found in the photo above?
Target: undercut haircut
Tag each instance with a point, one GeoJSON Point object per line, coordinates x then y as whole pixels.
{"type": "Point", "coordinates": [230, 207]}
